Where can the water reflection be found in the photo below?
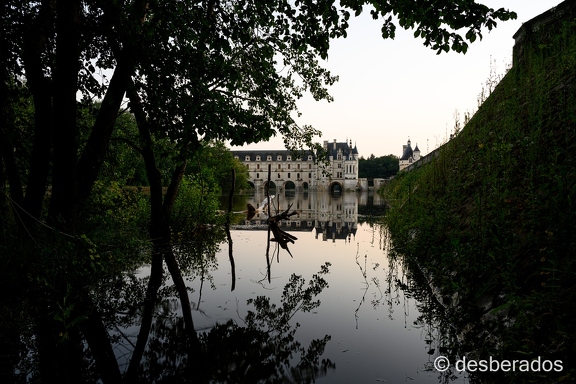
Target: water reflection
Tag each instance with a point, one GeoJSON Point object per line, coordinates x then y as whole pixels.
{"type": "Point", "coordinates": [330, 216]}
{"type": "Point", "coordinates": [256, 309]}
{"type": "Point", "coordinates": [365, 310]}
{"type": "Point", "coordinates": [114, 343]}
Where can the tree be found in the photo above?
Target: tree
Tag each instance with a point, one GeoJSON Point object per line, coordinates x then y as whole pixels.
{"type": "Point", "coordinates": [217, 160]}
{"type": "Point", "coordinates": [210, 68]}
{"type": "Point", "coordinates": [193, 72]}
{"type": "Point", "coordinates": [378, 167]}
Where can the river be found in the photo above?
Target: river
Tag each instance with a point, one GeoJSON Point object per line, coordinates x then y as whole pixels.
{"type": "Point", "coordinates": [375, 334]}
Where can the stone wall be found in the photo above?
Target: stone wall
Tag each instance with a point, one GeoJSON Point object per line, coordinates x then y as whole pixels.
{"type": "Point", "coordinates": [548, 23]}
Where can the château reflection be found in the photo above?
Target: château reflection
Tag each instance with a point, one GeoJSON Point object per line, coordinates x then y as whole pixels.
{"type": "Point", "coordinates": [332, 217]}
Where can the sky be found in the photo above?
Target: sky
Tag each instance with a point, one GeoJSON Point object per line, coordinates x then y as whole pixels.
{"type": "Point", "coordinates": [394, 90]}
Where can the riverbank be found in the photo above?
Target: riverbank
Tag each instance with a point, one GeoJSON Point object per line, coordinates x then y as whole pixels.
{"type": "Point", "coordinates": [491, 220]}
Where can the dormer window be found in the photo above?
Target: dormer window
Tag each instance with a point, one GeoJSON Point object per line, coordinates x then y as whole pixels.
{"type": "Point", "coordinates": [269, 158]}
{"type": "Point", "coordinates": [236, 157]}
{"type": "Point", "coordinates": [247, 158]}
{"type": "Point", "coordinates": [257, 158]}
{"type": "Point", "coordinates": [309, 157]}
{"type": "Point", "coordinates": [279, 158]}
{"type": "Point", "coordinates": [288, 158]}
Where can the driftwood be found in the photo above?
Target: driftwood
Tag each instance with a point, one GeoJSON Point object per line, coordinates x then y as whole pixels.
{"type": "Point", "coordinates": [251, 212]}
{"type": "Point", "coordinates": [280, 236]}
{"type": "Point", "coordinates": [282, 216]}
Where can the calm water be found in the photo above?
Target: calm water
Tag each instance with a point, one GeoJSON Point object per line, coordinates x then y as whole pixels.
{"type": "Point", "coordinates": [374, 337]}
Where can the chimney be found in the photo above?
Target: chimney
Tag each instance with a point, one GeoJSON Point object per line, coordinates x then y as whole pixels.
{"type": "Point", "coordinates": [334, 144]}
{"type": "Point", "coordinates": [326, 144]}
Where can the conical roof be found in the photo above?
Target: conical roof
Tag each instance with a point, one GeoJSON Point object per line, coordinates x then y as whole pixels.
{"type": "Point", "coordinates": [407, 152]}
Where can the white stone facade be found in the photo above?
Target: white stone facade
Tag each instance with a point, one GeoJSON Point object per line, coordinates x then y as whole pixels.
{"type": "Point", "coordinates": [289, 172]}
{"type": "Point", "coordinates": [409, 155]}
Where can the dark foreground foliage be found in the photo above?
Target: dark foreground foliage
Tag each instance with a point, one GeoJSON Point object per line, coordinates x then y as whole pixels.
{"type": "Point", "coordinates": [489, 225]}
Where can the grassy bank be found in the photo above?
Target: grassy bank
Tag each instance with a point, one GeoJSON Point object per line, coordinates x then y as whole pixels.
{"type": "Point", "coordinates": [492, 221]}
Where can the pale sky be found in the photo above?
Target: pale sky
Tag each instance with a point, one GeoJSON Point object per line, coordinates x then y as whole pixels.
{"type": "Point", "coordinates": [392, 90]}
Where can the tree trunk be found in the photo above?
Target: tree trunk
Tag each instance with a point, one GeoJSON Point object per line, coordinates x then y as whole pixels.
{"type": "Point", "coordinates": [93, 155]}
{"type": "Point", "coordinates": [98, 341]}
{"type": "Point", "coordinates": [92, 158]}
{"type": "Point", "coordinates": [64, 201]}
{"type": "Point", "coordinates": [161, 209]}
{"type": "Point", "coordinates": [227, 229]}
{"type": "Point", "coordinates": [6, 147]}
{"type": "Point", "coordinates": [40, 87]}
{"type": "Point", "coordinates": [7, 156]}
{"type": "Point", "coordinates": [147, 315]}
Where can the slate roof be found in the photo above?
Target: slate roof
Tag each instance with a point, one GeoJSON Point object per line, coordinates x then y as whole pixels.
{"type": "Point", "coordinates": [264, 153]}
{"type": "Point", "coordinates": [408, 152]}
{"type": "Point", "coordinates": [344, 147]}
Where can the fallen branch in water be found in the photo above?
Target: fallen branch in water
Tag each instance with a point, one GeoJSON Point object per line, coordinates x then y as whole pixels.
{"type": "Point", "coordinates": [280, 236]}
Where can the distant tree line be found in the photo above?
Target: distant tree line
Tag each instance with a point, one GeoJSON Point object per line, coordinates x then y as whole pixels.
{"type": "Point", "coordinates": [378, 167]}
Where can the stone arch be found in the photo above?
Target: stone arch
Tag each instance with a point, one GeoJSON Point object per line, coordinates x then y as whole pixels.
{"type": "Point", "coordinates": [335, 188]}
{"type": "Point", "coordinates": [289, 185]}
{"type": "Point", "coordinates": [272, 185]}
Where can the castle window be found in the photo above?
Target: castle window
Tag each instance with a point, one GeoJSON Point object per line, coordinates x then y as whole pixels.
{"type": "Point", "coordinates": [247, 158]}
{"type": "Point", "coordinates": [310, 175]}
{"type": "Point", "coordinates": [269, 158]}
{"type": "Point", "coordinates": [309, 157]}
{"type": "Point", "coordinates": [257, 158]}
{"type": "Point", "coordinates": [297, 175]}
{"type": "Point", "coordinates": [288, 166]}
{"type": "Point", "coordinates": [257, 175]}
{"type": "Point", "coordinates": [257, 166]}
{"type": "Point", "coordinates": [279, 166]}
{"type": "Point", "coordinates": [288, 158]}
{"type": "Point", "coordinates": [279, 158]}
{"type": "Point", "coordinates": [288, 174]}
